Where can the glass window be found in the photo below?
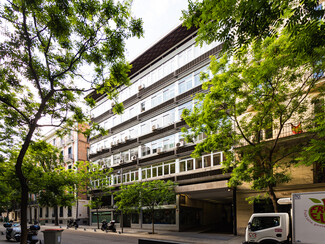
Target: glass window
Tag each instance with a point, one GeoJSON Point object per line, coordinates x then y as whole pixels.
{"type": "Point", "coordinates": [207, 160]}
{"type": "Point", "coordinates": [216, 159]}
{"type": "Point", "coordinates": [169, 92]}
{"type": "Point", "coordinates": [189, 164]}
{"type": "Point", "coordinates": [116, 158]}
{"type": "Point", "coordinates": [185, 84]}
{"type": "Point", "coordinates": [144, 129]}
{"type": "Point", "coordinates": [145, 150]}
{"type": "Point", "coordinates": [198, 163]}
{"type": "Point", "coordinates": [134, 152]}
{"type": "Point", "coordinates": [156, 100]}
{"type": "Point", "coordinates": [182, 166]}
{"type": "Point", "coordinates": [261, 223]}
{"type": "Point", "coordinates": [125, 156]}
{"type": "Point", "coordinates": [143, 106]}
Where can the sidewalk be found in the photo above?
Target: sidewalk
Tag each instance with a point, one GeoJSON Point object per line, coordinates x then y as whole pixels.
{"type": "Point", "coordinates": [182, 237]}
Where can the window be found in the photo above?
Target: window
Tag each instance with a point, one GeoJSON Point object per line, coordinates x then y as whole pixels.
{"type": "Point", "coordinates": [184, 106]}
{"type": "Point", "coordinates": [40, 212]}
{"type": "Point", "coordinates": [168, 119]}
{"type": "Point", "coordinates": [186, 164]}
{"type": "Point", "coordinates": [207, 160]}
{"type": "Point", "coordinates": [143, 106]}
{"type": "Point", "coordinates": [145, 150]}
{"type": "Point", "coordinates": [216, 159]}
{"type": "Point", "coordinates": [198, 163]}
{"type": "Point", "coordinates": [145, 129]}
{"type": "Point", "coordinates": [261, 223]}
{"type": "Point", "coordinates": [185, 84]}
{"type": "Point", "coordinates": [61, 211]}
{"type": "Point", "coordinates": [116, 158]}
{"type": "Point", "coordinates": [156, 100]}
{"type": "Point", "coordinates": [69, 212]}
{"type": "Point", "coordinates": [134, 152]}
{"type": "Point", "coordinates": [197, 75]}
{"type": "Point", "coordinates": [125, 156]}
{"type": "Point", "coordinates": [70, 153]}
{"type": "Point", "coordinates": [169, 92]}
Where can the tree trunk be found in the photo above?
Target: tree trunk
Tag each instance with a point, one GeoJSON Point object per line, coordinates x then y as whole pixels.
{"type": "Point", "coordinates": [56, 215]}
{"type": "Point", "coordinates": [97, 217]}
{"type": "Point", "coordinates": [122, 220]}
{"type": "Point", "coordinates": [153, 221]}
{"type": "Point", "coordinates": [23, 213]}
{"type": "Point", "coordinates": [273, 198]}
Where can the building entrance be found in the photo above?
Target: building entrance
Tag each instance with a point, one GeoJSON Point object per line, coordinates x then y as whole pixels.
{"type": "Point", "coordinates": [206, 210]}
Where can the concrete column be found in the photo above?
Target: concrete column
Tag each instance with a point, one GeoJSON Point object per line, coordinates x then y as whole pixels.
{"type": "Point", "coordinates": [177, 212]}
{"type": "Point", "coordinates": [177, 166]}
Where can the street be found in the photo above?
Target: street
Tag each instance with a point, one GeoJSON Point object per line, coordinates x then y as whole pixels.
{"type": "Point", "coordinates": [84, 237]}
{"type": "Point", "coordinates": [87, 237]}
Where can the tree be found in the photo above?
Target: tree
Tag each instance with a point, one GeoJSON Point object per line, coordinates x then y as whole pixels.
{"type": "Point", "coordinates": [52, 184]}
{"type": "Point", "coordinates": [48, 49]}
{"type": "Point", "coordinates": [250, 30]}
{"type": "Point", "coordinates": [252, 99]}
{"type": "Point", "coordinates": [57, 189]}
{"type": "Point", "coordinates": [238, 23]}
{"type": "Point", "coordinates": [9, 186]}
{"type": "Point", "coordinates": [94, 181]}
{"type": "Point", "coordinates": [148, 194]}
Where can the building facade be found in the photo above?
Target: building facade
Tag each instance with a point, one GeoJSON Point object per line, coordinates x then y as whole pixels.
{"type": "Point", "coordinates": [73, 147]}
{"type": "Point", "coordinates": [145, 142]}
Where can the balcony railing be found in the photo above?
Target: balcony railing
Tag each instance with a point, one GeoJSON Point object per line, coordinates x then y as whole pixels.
{"type": "Point", "coordinates": [289, 129]}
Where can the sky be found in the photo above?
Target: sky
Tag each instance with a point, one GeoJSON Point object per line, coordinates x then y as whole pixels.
{"type": "Point", "coordinates": [159, 17]}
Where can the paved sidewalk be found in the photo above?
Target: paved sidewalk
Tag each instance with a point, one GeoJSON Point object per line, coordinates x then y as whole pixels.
{"type": "Point", "coordinates": [181, 237]}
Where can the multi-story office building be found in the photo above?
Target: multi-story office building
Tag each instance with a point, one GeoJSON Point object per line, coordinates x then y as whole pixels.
{"type": "Point", "coordinates": [145, 142]}
{"type": "Point", "coordinates": [73, 147]}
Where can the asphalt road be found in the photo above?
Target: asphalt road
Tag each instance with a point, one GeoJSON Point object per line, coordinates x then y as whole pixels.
{"type": "Point", "coordinates": [80, 237]}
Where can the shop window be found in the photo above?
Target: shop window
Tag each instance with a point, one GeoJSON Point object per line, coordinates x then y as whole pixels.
{"type": "Point", "coordinates": [161, 216]}
{"type": "Point", "coordinates": [135, 218]}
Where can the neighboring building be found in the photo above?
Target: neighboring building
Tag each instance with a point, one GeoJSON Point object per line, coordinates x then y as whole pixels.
{"type": "Point", "coordinates": [74, 147]}
{"type": "Point", "coordinates": [145, 142]}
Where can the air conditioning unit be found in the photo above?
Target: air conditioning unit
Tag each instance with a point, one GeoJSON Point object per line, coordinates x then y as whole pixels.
{"type": "Point", "coordinates": [126, 138]}
{"type": "Point", "coordinates": [121, 161]}
{"type": "Point", "coordinates": [133, 158]}
{"type": "Point", "coordinates": [155, 127]}
{"type": "Point", "coordinates": [160, 150]}
{"type": "Point", "coordinates": [140, 87]}
{"type": "Point", "coordinates": [112, 104]}
{"type": "Point", "coordinates": [104, 166]}
{"type": "Point", "coordinates": [180, 144]}
{"type": "Point", "coordinates": [117, 141]}
{"type": "Point", "coordinates": [112, 144]}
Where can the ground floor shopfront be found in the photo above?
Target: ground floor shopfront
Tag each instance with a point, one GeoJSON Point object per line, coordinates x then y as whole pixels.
{"type": "Point", "coordinates": [206, 207]}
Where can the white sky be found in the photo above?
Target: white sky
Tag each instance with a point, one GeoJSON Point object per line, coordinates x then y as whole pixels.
{"type": "Point", "coordinates": [159, 17]}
